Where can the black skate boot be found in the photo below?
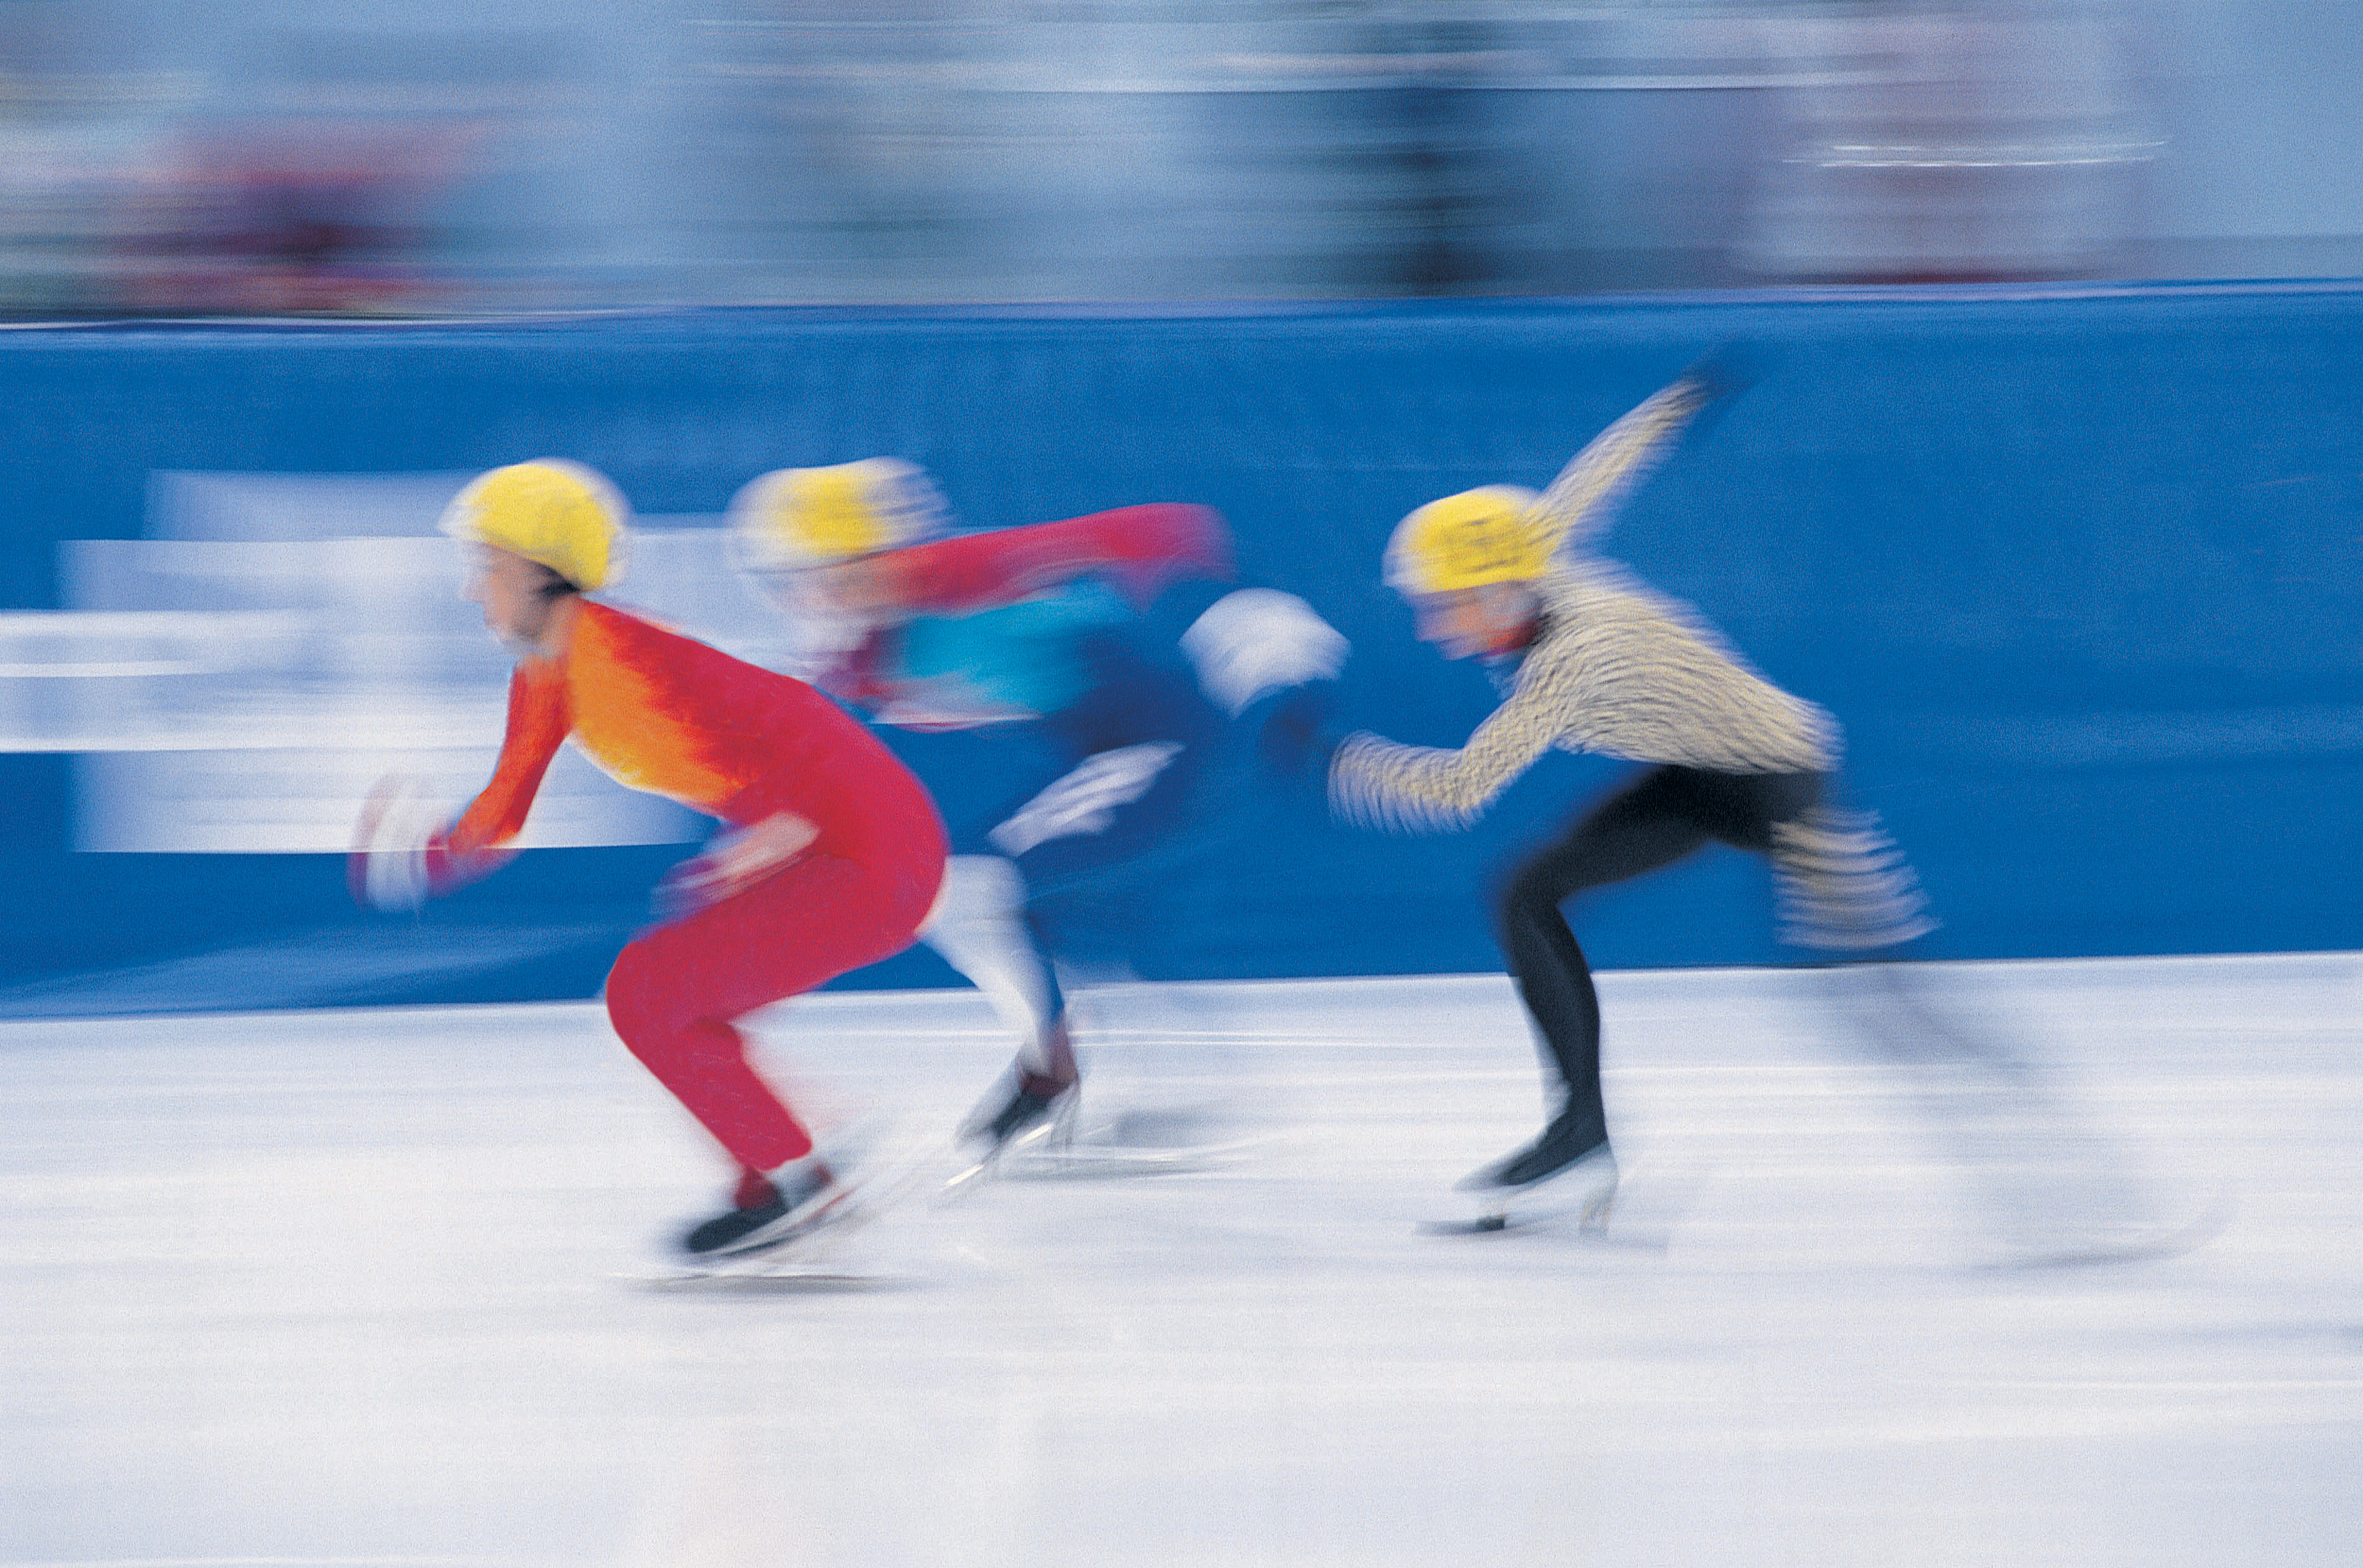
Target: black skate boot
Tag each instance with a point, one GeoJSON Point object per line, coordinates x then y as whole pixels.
{"type": "Point", "coordinates": [1574, 1137]}
{"type": "Point", "coordinates": [804, 1196]}
{"type": "Point", "coordinates": [1033, 1099]}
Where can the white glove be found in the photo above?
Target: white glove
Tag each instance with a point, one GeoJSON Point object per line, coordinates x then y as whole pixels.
{"type": "Point", "coordinates": [387, 870]}
{"type": "Point", "coordinates": [1259, 639]}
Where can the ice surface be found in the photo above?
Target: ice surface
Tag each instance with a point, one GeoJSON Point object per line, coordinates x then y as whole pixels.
{"type": "Point", "coordinates": [353, 1287]}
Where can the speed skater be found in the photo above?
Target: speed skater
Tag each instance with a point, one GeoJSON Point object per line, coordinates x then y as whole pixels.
{"type": "Point", "coordinates": [831, 851]}
{"type": "Point", "coordinates": [1591, 661]}
{"type": "Point", "coordinates": [1033, 643]}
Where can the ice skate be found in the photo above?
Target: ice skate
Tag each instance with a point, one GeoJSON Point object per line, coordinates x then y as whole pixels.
{"type": "Point", "coordinates": [797, 1240]}
{"type": "Point", "coordinates": [805, 1196]}
{"type": "Point", "coordinates": [811, 1257]}
{"type": "Point", "coordinates": [1034, 1103]}
{"type": "Point", "coordinates": [1570, 1137]}
{"type": "Point", "coordinates": [1584, 1190]}
{"type": "Point", "coordinates": [1031, 1113]}
{"type": "Point", "coordinates": [1569, 1172]}
{"type": "Point", "coordinates": [1030, 1110]}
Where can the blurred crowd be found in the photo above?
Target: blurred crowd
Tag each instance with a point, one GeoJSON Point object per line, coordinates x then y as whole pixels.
{"type": "Point", "coordinates": [293, 156]}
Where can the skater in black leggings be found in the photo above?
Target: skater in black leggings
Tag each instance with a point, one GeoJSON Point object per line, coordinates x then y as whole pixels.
{"type": "Point", "coordinates": [1590, 661]}
{"type": "Point", "coordinates": [1667, 813]}
{"type": "Point", "coordinates": [1594, 662]}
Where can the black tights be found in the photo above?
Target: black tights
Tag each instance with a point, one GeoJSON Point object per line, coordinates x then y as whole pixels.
{"type": "Point", "coordinates": [1665, 815]}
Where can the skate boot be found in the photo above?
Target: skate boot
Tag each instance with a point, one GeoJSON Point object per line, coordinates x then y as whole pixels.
{"type": "Point", "coordinates": [1573, 1146]}
{"type": "Point", "coordinates": [1032, 1102]}
{"type": "Point", "coordinates": [1034, 1099]}
{"type": "Point", "coordinates": [805, 1195]}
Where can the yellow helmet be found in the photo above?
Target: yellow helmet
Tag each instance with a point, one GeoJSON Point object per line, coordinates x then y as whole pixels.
{"type": "Point", "coordinates": [1467, 540]}
{"type": "Point", "coordinates": [794, 517]}
{"type": "Point", "coordinates": [563, 515]}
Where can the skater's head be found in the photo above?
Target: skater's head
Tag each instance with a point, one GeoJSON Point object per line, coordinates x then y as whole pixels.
{"type": "Point", "coordinates": [522, 599]}
{"type": "Point", "coordinates": [545, 531]}
{"type": "Point", "coordinates": [825, 534]}
{"type": "Point", "coordinates": [1467, 565]}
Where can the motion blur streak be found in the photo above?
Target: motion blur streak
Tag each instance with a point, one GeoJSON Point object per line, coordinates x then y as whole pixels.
{"type": "Point", "coordinates": [292, 156]}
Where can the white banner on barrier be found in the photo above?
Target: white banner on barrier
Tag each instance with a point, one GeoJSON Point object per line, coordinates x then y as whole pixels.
{"type": "Point", "coordinates": [236, 682]}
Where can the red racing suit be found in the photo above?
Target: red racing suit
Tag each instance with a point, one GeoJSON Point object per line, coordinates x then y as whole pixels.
{"type": "Point", "coordinates": [663, 712]}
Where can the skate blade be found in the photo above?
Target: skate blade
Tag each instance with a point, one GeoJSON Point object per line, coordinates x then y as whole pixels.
{"type": "Point", "coordinates": [782, 1280]}
{"type": "Point", "coordinates": [1131, 1142]}
{"type": "Point", "coordinates": [805, 1261]}
{"type": "Point", "coordinates": [1591, 1221]}
{"type": "Point", "coordinates": [1056, 1127]}
{"type": "Point", "coordinates": [982, 1168]}
{"type": "Point", "coordinates": [963, 1182]}
{"type": "Point", "coordinates": [1084, 1160]}
{"type": "Point", "coordinates": [1582, 1196]}
{"type": "Point", "coordinates": [1478, 1225]}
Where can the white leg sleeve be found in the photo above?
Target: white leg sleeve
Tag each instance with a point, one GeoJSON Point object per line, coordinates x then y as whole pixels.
{"type": "Point", "coordinates": [978, 927]}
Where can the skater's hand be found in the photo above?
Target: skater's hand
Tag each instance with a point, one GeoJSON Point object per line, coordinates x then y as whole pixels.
{"type": "Point", "coordinates": [736, 860]}
{"type": "Point", "coordinates": [1299, 730]}
{"type": "Point", "coordinates": [388, 868]}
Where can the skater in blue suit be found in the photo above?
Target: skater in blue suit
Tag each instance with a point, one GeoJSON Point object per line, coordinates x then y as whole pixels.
{"type": "Point", "coordinates": [1030, 655]}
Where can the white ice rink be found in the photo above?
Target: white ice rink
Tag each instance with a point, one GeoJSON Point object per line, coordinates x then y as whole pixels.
{"type": "Point", "coordinates": [351, 1288]}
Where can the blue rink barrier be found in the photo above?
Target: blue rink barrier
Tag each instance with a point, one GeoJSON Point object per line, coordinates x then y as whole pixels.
{"type": "Point", "coordinates": [2077, 573]}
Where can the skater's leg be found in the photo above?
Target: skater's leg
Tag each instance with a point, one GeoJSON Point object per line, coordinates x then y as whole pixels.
{"type": "Point", "coordinates": [1669, 813]}
{"type": "Point", "coordinates": [981, 927]}
{"type": "Point", "coordinates": [675, 991]}
{"type": "Point", "coordinates": [1078, 886]}
{"type": "Point", "coordinates": [1651, 825]}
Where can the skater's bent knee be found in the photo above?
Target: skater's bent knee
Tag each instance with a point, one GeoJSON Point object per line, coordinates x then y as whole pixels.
{"type": "Point", "coordinates": [639, 1003]}
{"type": "Point", "coordinates": [1528, 903]}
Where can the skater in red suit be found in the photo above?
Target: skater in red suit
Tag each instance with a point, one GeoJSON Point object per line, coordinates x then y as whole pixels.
{"type": "Point", "coordinates": [830, 857]}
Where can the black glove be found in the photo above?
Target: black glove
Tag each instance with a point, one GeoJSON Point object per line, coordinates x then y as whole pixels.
{"type": "Point", "coordinates": [1296, 729]}
{"type": "Point", "coordinates": [1729, 368]}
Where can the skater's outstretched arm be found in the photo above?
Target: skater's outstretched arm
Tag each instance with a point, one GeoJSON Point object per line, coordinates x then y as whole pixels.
{"type": "Point", "coordinates": [1577, 508]}
{"type": "Point", "coordinates": [1384, 784]}
{"type": "Point", "coordinates": [1613, 673]}
{"type": "Point", "coordinates": [1139, 549]}
{"type": "Point", "coordinates": [537, 723]}
{"type": "Point", "coordinates": [400, 859]}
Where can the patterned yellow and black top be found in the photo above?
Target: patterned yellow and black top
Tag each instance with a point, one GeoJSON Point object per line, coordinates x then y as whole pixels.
{"type": "Point", "coordinates": [1614, 669]}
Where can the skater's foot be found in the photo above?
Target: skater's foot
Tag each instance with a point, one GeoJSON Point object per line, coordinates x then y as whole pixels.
{"type": "Point", "coordinates": [1040, 1086]}
{"type": "Point", "coordinates": [805, 1195]}
{"type": "Point", "coordinates": [1571, 1138]}
{"type": "Point", "coordinates": [1031, 1101]}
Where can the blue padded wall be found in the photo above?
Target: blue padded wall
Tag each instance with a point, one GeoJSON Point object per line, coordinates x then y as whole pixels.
{"type": "Point", "coordinates": [2079, 573]}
